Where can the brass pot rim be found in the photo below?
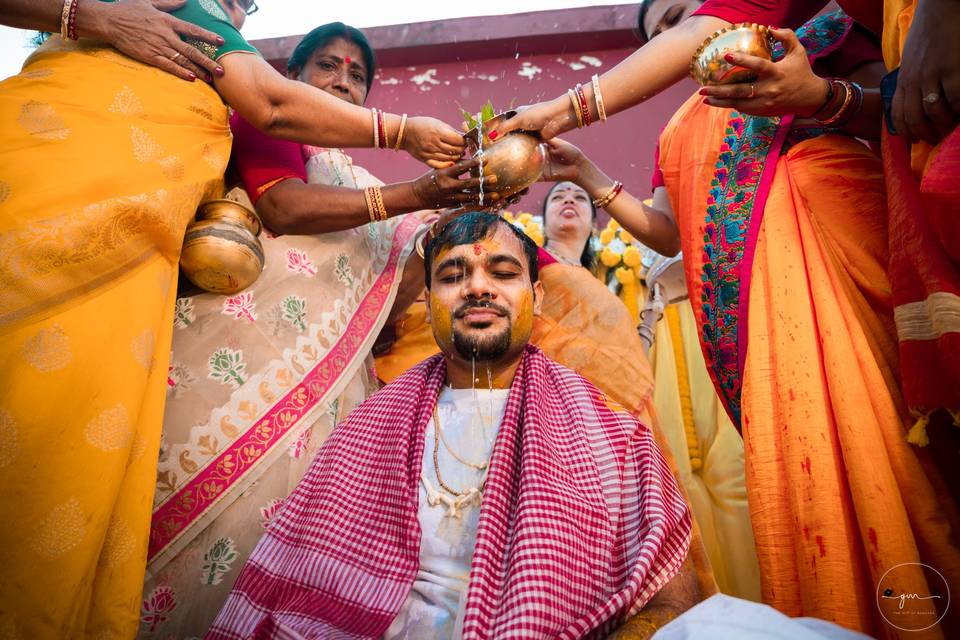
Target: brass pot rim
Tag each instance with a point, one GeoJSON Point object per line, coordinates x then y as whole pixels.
{"type": "Point", "coordinates": [473, 135]}
{"type": "Point", "coordinates": [762, 30]}
{"type": "Point", "coordinates": [253, 213]}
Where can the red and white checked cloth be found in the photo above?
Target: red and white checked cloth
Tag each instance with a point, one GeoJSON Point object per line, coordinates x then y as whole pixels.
{"type": "Point", "coordinates": [581, 521]}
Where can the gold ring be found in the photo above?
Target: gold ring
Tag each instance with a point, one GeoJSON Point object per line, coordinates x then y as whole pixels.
{"type": "Point", "coordinates": [175, 56]}
{"type": "Point", "coordinates": [751, 91]}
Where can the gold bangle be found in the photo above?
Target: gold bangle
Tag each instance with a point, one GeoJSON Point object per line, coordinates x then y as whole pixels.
{"type": "Point", "coordinates": [380, 210]}
{"type": "Point", "coordinates": [403, 123]}
{"type": "Point", "coordinates": [370, 210]}
{"type": "Point", "coordinates": [598, 98]}
{"type": "Point", "coordinates": [576, 107]}
{"type": "Point", "coordinates": [847, 97]}
{"type": "Point", "coordinates": [418, 245]}
{"type": "Point", "coordinates": [64, 18]}
{"type": "Point", "coordinates": [376, 131]}
{"type": "Point", "coordinates": [608, 197]}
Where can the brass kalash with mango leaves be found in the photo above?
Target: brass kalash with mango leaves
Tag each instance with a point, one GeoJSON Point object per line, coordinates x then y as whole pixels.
{"type": "Point", "coordinates": [516, 159]}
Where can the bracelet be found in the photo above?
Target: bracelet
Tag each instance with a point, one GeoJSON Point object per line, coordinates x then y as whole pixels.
{"type": "Point", "coordinates": [72, 21]}
{"type": "Point", "coordinates": [609, 196]}
{"type": "Point", "coordinates": [584, 106]}
{"type": "Point", "coordinates": [847, 98]}
{"type": "Point", "coordinates": [379, 209]}
{"type": "Point", "coordinates": [403, 123]}
{"type": "Point", "coordinates": [368, 199]}
{"type": "Point", "coordinates": [65, 18]}
{"type": "Point", "coordinates": [382, 127]}
{"type": "Point", "coordinates": [598, 98]}
{"type": "Point", "coordinates": [376, 129]}
{"type": "Point", "coordinates": [831, 94]}
{"type": "Point", "coordinates": [576, 107]}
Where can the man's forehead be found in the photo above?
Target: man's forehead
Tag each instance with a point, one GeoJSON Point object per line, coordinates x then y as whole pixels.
{"type": "Point", "coordinates": [499, 243]}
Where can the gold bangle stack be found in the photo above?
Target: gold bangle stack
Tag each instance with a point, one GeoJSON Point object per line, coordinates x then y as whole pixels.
{"type": "Point", "coordinates": [375, 207]}
{"type": "Point", "coordinates": [403, 123]}
{"type": "Point", "coordinates": [609, 196]}
{"type": "Point", "coordinates": [598, 98]}
{"type": "Point", "coordinates": [576, 107]}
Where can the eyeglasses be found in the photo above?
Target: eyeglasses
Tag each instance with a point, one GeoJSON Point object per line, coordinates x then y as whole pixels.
{"type": "Point", "coordinates": [249, 6]}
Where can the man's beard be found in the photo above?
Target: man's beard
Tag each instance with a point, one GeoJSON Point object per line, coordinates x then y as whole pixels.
{"type": "Point", "coordinates": [487, 348]}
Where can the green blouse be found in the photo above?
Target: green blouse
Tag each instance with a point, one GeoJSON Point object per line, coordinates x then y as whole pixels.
{"type": "Point", "coordinates": [210, 15]}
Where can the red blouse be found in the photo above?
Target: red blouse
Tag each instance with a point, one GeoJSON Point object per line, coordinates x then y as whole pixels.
{"type": "Point", "coordinates": [263, 161]}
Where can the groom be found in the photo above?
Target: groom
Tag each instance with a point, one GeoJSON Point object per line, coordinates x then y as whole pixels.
{"type": "Point", "coordinates": [581, 524]}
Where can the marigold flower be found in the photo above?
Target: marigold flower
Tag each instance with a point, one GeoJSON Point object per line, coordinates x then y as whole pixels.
{"type": "Point", "coordinates": [609, 257]}
{"type": "Point", "coordinates": [607, 235]}
{"type": "Point", "coordinates": [624, 275]}
{"type": "Point", "coordinates": [631, 257]}
{"type": "Point", "coordinates": [626, 237]}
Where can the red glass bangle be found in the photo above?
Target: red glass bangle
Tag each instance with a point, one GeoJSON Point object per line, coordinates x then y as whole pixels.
{"type": "Point", "coordinates": [382, 128]}
{"type": "Point", "coordinates": [72, 21]}
{"type": "Point", "coordinates": [584, 107]}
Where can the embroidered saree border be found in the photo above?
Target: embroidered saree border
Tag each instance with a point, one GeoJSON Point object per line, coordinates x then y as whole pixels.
{"type": "Point", "coordinates": [208, 487]}
{"type": "Point", "coordinates": [745, 168]}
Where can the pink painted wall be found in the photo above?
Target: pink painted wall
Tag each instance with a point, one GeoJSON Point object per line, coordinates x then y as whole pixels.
{"type": "Point", "coordinates": [623, 146]}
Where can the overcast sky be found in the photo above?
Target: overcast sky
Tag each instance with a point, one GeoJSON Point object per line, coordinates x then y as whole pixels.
{"type": "Point", "coordinates": [289, 17]}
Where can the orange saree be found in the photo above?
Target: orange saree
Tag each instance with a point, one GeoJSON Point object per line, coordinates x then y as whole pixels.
{"type": "Point", "coordinates": [785, 246]}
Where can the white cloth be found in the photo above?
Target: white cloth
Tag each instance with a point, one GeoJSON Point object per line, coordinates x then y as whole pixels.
{"type": "Point", "coordinates": [722, 617]}
{"type": "Point", "coordinates": [469, 421]}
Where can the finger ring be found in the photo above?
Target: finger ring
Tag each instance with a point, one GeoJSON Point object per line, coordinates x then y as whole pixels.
{"type": "Point", "coordinates": [931, 97]}
{"type": "Point", "coordinates": [751, 91]}
{"type": "Point", "coordinates": [175, 56]}
{"type": "Point", "coordinates": [433, 178]}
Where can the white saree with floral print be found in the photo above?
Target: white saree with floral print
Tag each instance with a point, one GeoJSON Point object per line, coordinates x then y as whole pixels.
{"type": "Point", "coordinates": [256, 383]}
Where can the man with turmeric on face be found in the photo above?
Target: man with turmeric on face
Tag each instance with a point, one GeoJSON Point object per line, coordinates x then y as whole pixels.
{"type": "Point", "coordinates": [486, 492]}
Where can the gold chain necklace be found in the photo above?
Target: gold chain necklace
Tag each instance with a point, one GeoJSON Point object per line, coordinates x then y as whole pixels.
{"type": "Point", "coordinates": [333, 165]}
{"type": "Point", "coordinates": [437, 435]}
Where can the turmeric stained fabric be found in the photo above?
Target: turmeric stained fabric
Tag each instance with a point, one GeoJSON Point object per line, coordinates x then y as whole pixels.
{"type": "Point", "coordinates": [837, 495]}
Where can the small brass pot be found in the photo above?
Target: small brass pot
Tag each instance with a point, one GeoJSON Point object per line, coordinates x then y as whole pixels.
{"type": "Point", "coordinates": [516, 159]}
{"type": "Point", "coordinates": [708, 66]}
{"type": "Point", "coordinates": [221, 251]}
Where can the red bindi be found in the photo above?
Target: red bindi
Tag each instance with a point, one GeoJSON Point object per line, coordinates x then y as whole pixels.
{"type": "Point", "coordinates": [477, 249]}
{"type": "Point", "coordinates": [348, 59]}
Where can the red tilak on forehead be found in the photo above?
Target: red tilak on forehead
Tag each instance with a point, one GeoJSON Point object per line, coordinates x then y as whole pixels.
{"type": "Point", "coordinates": [348, 59]}
{"type": "Point", "coordinates": [477, 249]}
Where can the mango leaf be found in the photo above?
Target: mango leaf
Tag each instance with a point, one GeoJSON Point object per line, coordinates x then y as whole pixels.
{"type": "Point", "coordinates": [487, 112]}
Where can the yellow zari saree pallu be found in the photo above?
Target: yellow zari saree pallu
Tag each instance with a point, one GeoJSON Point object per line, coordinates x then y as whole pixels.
{"type": "Point", "coordinates": [102, 164]}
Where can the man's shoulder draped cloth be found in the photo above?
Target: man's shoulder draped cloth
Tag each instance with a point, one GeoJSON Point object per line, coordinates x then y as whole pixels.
{"type": "Point", "coordinates": [581, 522]}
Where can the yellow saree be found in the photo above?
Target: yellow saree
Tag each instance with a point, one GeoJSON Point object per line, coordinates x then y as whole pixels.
{"type": "Point", "coordinates": [103, 162]}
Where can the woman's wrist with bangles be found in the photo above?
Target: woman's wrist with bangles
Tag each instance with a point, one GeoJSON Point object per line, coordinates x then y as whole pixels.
{"type": "Point", "coordinates": [388, 129]}
{"type": "Point", "coordinates": [586, 103]}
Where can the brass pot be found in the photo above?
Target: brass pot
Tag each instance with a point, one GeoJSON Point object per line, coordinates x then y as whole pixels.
{"type": "Point", "coordinates": [221, 251]}
{"type": "Point", "coordinates": [708, 66]}
{"type": "Point", "coordinates": [516, 159]}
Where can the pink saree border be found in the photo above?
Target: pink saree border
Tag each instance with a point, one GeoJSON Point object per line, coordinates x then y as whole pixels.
{"type": "Point", "coordinates": [192, 501]}
{"type": "Point", "coordinates": [760, 200]}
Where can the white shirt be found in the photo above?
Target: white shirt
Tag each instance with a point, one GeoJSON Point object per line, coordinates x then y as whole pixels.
{"type": "Point", "coordinates": [469, 421]}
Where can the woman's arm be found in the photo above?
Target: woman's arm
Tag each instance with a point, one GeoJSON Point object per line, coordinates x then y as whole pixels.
{"type": "Point", "coordinates": [141, 29]}
{"type": "Point", "coordinates": [293, 206]}
{"type": "Point", "coordinates": [654, 227]}
{"type": "Point", "coordinates": [293, 110]}
{"type": "Point", "coordinates": [649, 70]}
